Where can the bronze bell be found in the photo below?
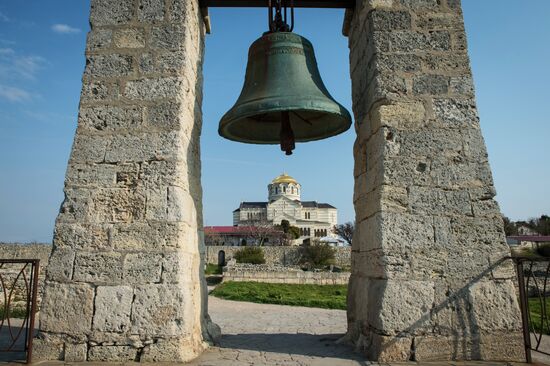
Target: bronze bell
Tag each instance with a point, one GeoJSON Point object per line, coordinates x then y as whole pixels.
{"type": "Point", "coordinates": [283, 99]}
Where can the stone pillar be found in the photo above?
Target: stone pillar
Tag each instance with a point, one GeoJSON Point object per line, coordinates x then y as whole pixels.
{"type": "Point", "coordinates": [429, 279]}
{"type": "Point", "coordinates": [124, 282]}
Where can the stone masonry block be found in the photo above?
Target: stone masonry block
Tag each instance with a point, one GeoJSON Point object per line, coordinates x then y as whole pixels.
{"type": "Point", "coordinates": [80, 236]}
{"type": "Point", "coordinates": [168, 37]}
{"type": "Point", "coordinates": [76, 352]}
{"type": "Point", "coordinates": [113, 306]}
{"type": "Point", "coordinates": [110, 118]}
{"type": "Point", "coordinates": [142, 268]}
{"type": "Point", "coordinates": [129, 38]}
{"type": "Point", "coordinates": [47, 347]}
{"type": "Point", "coordinates": [170, 350]}
{"type": "Point", "coordinates": [401, 306]}
{"type": "Point", "coordinates": [495, 306]}
{"type": "Point", "coordinates": [67, 308]}
{"type": "Point", "coordinates": [388, 349]}
{"type": "Point", "coordinates": [108, 65]}
{"type": "Point", "coordinates": [99, 90]}
{"type": "Point", "coordinates": [62, 262]}
{"type": "Point", "coordinates": [99, 39]}
{"type": "Point", "coordinates": [112, 353]}
{"type": "Point", "coordinates": [400, 115]}
{"type": "Point", "coordinates": [161, 310]}
{"type": "Point", "coordinates": [145, 147]}
{"type": "Point", "coordinates": [102, 267]}
{"type": "Point", "coordinates": [88, 148]}
{"type": "Point", "coordinates": [427, 200]}
{"type": "Point", "coordinates": [389, 20]}
{"type": "Point", "coordinates": [157, 88]}
{"type": "Point", "coordinates": [91, 175]}
{"type": "Point", "coordinates": [431, 84]}
{"type": "Point", "coordinates": [456, 112]}
{"type": "Point", "coordinates": [421, 4]}
{"type": "Point", "coordinates": [151, 10]}
{"type": "Point", "coordinates": [111, 12]}
{"type": "Point", "coordinates": [181, 206]}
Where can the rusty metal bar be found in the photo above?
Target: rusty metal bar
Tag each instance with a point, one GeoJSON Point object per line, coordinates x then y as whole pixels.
{"type": "Point", "coordinates": [27, 275]}
{"type": "Point", "coordinates": [334, 4]}
{"type": "Point", "coordinates": [524, 310]}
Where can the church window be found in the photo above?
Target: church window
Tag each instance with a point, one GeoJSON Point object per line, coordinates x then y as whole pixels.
{"type": "Point", "coordinates": [284, 189]}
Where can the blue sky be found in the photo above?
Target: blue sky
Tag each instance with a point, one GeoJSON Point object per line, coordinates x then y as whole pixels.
{"type": "Point", "coordinates": [41, 64]}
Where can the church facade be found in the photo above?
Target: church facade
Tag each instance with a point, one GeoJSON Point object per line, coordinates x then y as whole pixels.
{"type": "Point", "coordinates": [314, 219]}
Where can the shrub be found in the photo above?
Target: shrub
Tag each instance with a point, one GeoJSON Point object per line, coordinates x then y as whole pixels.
{"type": "Point", "coordinates": [252, 255]}
{"type": "Point", "coordinates": [317, 255]}
{"type": "Point", "coordinates": [543, 250]}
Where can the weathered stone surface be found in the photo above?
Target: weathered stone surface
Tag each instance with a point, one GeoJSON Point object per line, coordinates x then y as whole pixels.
{"type": "Point", "coordinates": [153, 89]}
{"type": "Point", "coordinates": [142, 268]}
{"type": "Point", "coordinates": [108, 65]}
{"type": "Point", "coordinates": [127, 244]}
{"type": "Point", "coordinates": [108, 118]}
{"type": "Point", "coordinates": [99, 39]}
{"type": "Point", "coordinates": [102, 267]}
{"type": "Point", "coordinates": [151, 10]}
{"type": "Point", "coordinates": [72, 316]}
{"type": "Point", "coordinates": [404, 305]}
{"type": "Point", "coordinates": [113, 305]}
{"type": "Point", "coordinates": [111, 12]}
{"type": "Point", "coordinates": [173, 350]}
{"type": "Point", "coordinates": [428, 280]}
{"type": "Point", "coordinates": [47, 347]}
{"type": "Point", "coordinates": [62, 262]}
{"type": "Point", "coordinates": [129, 38]}
{"type": "Point", "coordinates": [76, 352]}
{"type": "Point", "coordinates": [112, 353]}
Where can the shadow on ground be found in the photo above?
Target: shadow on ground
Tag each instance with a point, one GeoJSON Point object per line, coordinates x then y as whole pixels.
{"type": "Point", "coordinates": [313, 345]}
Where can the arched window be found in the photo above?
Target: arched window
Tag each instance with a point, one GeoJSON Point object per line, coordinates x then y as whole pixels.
{"type": "Point", "coordinates": [284, 189]}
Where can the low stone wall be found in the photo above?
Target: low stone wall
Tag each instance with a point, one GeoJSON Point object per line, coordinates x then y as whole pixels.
{"type": "Point", "coordinates": [11, 271]}
{"type": "Point", "coordinates": [280, 274]}
{"type": "Point", "coordinates": [284, 256]}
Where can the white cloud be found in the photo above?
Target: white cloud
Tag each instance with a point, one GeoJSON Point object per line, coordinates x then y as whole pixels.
{"type": "Point", "coordinates": [64, 29]}
{"type": "Point", "coordinates": [14, 94]}
{"type": "Point", "coordinates": [4, 17]}
{"type": "Point", "coordinates": [13, 66]}
{"type": "Point", "coordinates": [6, 51]}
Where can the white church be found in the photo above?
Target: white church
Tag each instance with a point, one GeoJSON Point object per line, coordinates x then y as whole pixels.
{"type": "Point", "coordinates": [312, 218]}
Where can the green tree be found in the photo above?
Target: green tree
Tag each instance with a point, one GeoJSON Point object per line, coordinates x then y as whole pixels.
{"type": "Point", "coordinates": [345, 231]}
{"type": "Point", "coordinates": [510, 227]}
{"type": "Point", "coordinates": [317, 255]}
{"type": "Point", "coordinates": [252, 255]}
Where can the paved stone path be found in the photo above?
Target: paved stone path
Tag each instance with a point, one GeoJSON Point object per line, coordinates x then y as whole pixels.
{"type": "Point", "coordinates": [260, 334]}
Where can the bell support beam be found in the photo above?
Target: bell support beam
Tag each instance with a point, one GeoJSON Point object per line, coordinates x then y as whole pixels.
{"type": "Point", "coordinates": [334, 4]}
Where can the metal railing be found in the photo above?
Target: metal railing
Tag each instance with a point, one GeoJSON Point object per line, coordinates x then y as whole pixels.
{"type": "Point", "coordinates": [18, 296]}
{"type": "Point", "coordinates": [534, 296]}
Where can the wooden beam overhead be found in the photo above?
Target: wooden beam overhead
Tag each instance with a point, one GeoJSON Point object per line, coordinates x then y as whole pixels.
{"type": "Point", "coordinates": [334, 4]}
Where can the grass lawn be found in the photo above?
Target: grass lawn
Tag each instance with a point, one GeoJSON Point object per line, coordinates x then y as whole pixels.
{"type": "Point", "coordinates": [535, 308]}
{"type": "Point", "coordinates": [14, 313]}
{"type": "Point", "coordinates": [315, 296]}
{"type": "Point", "coordinates": [212, 269]}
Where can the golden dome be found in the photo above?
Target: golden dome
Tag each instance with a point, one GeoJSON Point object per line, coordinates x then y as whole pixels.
{"type": "Point", "coordinates": [284, 178]}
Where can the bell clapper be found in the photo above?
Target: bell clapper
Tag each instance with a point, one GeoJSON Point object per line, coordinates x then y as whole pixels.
{"type": "Point", "coordinates": [287, 135]}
